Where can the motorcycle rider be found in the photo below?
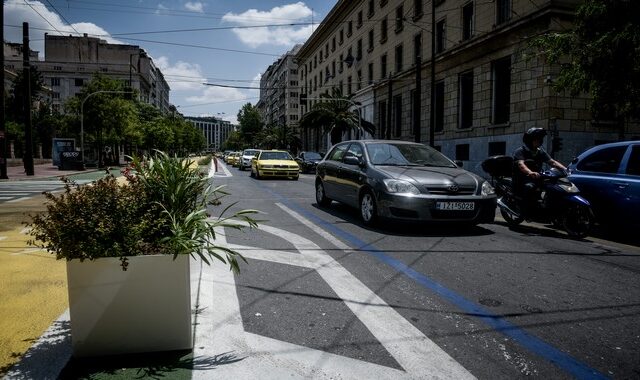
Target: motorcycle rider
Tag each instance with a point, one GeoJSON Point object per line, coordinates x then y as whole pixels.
{"type": "Point", "coordinates": [528, 161]}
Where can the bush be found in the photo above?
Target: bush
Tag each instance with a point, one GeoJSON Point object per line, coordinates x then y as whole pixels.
{"type": "Point", "coordinates": [162, 209]}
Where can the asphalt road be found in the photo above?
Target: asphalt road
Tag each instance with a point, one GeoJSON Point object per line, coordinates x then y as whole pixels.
{"type": "Point", "coordinates": [485, 302]}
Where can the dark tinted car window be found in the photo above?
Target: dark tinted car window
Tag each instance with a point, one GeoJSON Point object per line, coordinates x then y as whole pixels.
{"type": "Point", "coordinates": [337, 153]}
{"type": "Point", "coordinates": [312, 156]}
{"type": "Point", "coordinates": [605, 160]}
{"type": "Point", "coordinates": [275, 156]}
{"type": "Point", "coordinates": [406, 154]}
{"type": "Point", "coordinates": [355, 150]}
{"type": "Point", "coordinates": [633, 166]}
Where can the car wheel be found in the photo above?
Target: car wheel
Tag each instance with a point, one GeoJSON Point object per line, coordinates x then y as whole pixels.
{"type": "Point", "coordinates": [296, 178]}
{"type": "Point", "coordinates": [252, 174]}
{"type": "Point", "coordinates": [368, 209]}
{"type": "Point", "coordinates": [321, 196]}
{"type": "Point", "coordinates": [577, 221]}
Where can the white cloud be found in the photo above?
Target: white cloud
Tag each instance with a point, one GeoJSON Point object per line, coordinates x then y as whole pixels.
{"type": "Point", "coordinates": [280, 35]}
{"type": "Point", "coordinates": [39, 17]}
{"type": "Point", "coordinates": [195, 6]}
{"type": "Point", "coordinates": [182, 76]}
{"type": "Point", "coordinates": [217, 95]}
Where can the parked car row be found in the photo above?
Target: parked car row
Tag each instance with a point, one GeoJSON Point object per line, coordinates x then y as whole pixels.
{"type": "Point", "coordinates": [265, 163]}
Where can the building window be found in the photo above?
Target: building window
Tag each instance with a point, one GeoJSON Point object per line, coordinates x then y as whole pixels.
{"type": "Point", "coordinates": [333, 44]}
{"type": "Point", "coordinates": [440, 35]}
{"type": "Point", "coordinates": [359, 84]}
{"type": "Point", "coordinates": [462, 152]}
{"type": "Point", "coordinates": [383, 30]}
{"type": "Point", "coordinates": [503, 11]}
{"type": "Point", "coordinates": [348, 85]}
{"type": "Point", "coordinates": [370, 72]}
{"type": "Point", "coordinates": [341, 37]}
{"type": "Point", "coordinates": [501, 96]}
{"type": "Point", "coordinates": [359, 22]}
{"type": "Point", "coordinates": [79, 82]}
{"type": "Point", "coordinates": [341, 86]}
{"type": "Point", "coordinates": [418, 9]}
{"type": "Point", "coordinates": [383, 66]}
{"type": "Point", "coordinates": [439, 116]}
{"type": "Point", "coordinates": [417, 48]}
{"type": "Point", "coordinates": [370, 48]}
{"type": "Point", "coordinates": [382, 117]}
{"type": "Point", "coordinates": [397, 115]}
{"type": "Point", "coordinates": [399, 18]}
{"type": "Point", "coordinates": [57, 68]}
{"type": "Point", "coordinates": [359, 49]}
{"type": "Point", "coordinates": [497, 148]}
{"type": "Point", "coordinates": [383, 3]}
{"type": "Point", "coordinates": [55, 81]}
{"type": "Point", "coordinates": [333, 69]}
{"type": "Point", "coordinates": [371, 9]}
{"type": "Point", "coordinates": [349, 28]}
{"type": "Point", "coordinates": [398, 58]}
{"type": "Point", "coordinates": [55, 95]}
{"type": "Point", "coordinates": [412, 106]}
{"type": "Point", "coordinates": [465, 98]}
{"type": "Point", "coordinates": [326, 50]}
{"type": "Point", "coordinates": [467, 21]}
{"type": "Point", "coordinates": [341, 63]}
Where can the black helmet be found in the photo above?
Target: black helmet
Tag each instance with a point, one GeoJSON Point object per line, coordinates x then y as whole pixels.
{"type": "Point", "coordinates": [532, 134]}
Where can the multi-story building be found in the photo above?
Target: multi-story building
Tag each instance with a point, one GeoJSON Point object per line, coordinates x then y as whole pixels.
{"type": "Point", "coordinates": [489, 86]}
{"type": "Point", "coordinates": [70, 62]}
{"type": "Point", "coordinates": [279, 91]}
{"type": "Point", "coordinates": [216, 131]}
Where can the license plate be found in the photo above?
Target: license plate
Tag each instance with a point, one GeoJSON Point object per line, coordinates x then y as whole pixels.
{"type": "Point", "coordinates": [455, 206]}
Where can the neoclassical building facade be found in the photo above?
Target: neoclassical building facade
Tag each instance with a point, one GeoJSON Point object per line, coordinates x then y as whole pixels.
{"type": "Point", "coordinates": [489, 85]}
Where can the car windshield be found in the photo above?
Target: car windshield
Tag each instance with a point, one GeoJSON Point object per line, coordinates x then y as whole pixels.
{"type": "Point", "coordinates": [312, 156]}
{"type": "Point", "coordinates": [249, 152]}
{"type": "Point", "coordinates": [406, 155]}
{"type": "Point", "coordinates": [275, 156]}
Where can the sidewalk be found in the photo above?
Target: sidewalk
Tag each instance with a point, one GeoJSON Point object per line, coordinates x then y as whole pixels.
{"type": "Point", "coordinates": [41, 172]}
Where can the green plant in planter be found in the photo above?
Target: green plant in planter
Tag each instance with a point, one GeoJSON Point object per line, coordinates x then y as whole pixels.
{"type": "Point", "coordinates": [162, 209]}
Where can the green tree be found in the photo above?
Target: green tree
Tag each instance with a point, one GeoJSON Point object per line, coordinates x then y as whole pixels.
{"type": "Point", "coordinates": [250, 123]}
{"type": "Point", "coordinates": [333, 116]}
{"type": "Point", "coordinates": [233, 142]}
{"type": "Point", "coordinates": [600, 56]}
{"type": "Point", "coordinates": [15, 111]}
{"type": "Point", "coordinates": [278, 137]}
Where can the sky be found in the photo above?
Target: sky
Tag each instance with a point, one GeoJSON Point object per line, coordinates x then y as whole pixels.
{"type": "Point", "coordinates": [226, 42]}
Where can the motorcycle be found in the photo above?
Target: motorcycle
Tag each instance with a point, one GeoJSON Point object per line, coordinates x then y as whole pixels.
{"type": "Point", "coordinates": [559, 203]}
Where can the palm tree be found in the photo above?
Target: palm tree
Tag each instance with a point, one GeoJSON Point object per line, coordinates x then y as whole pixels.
{"type": "Point", "coordinates": [333, 116]}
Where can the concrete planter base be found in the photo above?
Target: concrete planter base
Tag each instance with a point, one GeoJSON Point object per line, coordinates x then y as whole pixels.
{"type": "Point", "coordinates": [143, 309]}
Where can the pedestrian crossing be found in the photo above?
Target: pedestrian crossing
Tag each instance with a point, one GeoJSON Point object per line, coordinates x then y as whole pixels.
{"type": "Point", "coordinates": [16, 191]}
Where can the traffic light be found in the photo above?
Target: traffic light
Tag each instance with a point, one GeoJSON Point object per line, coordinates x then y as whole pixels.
{"type": "Point", "coordinates": [556, 144]}
{"type": "Point", "coordinates": [303, 99]}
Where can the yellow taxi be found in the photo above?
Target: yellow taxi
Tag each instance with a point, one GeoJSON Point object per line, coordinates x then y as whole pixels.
{"type": "Point", "coordinates": [233, 159]}
{"type": "Point", "coordinates": [274, 163]}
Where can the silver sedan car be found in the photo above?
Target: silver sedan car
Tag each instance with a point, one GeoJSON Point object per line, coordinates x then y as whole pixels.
{"type": "Point", "coordinates": [402, 180]}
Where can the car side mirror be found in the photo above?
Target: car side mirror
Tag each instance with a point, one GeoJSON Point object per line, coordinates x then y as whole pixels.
{"type": "Point", "coordinates": [459, 163]}
{"type": "Point", "coordinates": [353, 160]}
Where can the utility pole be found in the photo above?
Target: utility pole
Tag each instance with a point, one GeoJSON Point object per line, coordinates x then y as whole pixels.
{"type": "Point", "coordinates": [26, 73]}
{"type": "Point", "coordinates": [3, 135]}
{"type": "Point", "coordinates": [432, 110]}
{"type": "Point", "coordinates": [417, 96]}
{"type": "Point", "coordinates": [389, 108]}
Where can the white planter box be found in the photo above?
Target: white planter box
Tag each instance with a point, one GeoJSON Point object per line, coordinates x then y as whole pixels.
{"type": "Point", "coordinates": [145, 308]}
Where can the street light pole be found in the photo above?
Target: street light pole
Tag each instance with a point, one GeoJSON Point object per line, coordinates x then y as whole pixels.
{"type": "Point", "coordinates": [82, 118]}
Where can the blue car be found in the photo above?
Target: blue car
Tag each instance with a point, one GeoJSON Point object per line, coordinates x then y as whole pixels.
{"type": "Point", "coordinates": [608, 176]}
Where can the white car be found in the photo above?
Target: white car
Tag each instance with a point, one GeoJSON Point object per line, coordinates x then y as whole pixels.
{"type": "Point", "coordinates": [245, 159]}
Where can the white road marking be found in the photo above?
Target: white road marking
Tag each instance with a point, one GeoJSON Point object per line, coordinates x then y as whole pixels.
{"type": "Point", "coordinates": [220, 315]}
{"type": "Point", "coordinates": [18, 199]}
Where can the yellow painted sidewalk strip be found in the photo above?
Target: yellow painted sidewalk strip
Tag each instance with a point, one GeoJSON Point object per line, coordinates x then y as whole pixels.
{"type": "Point", "coordinates": [33, 290]}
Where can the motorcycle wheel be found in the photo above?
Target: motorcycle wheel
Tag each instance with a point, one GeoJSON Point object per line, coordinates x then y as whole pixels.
{"type": "Point", "coordinates": [578, 221]}
{"type": "Point", "coordinates": [511, 219]}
